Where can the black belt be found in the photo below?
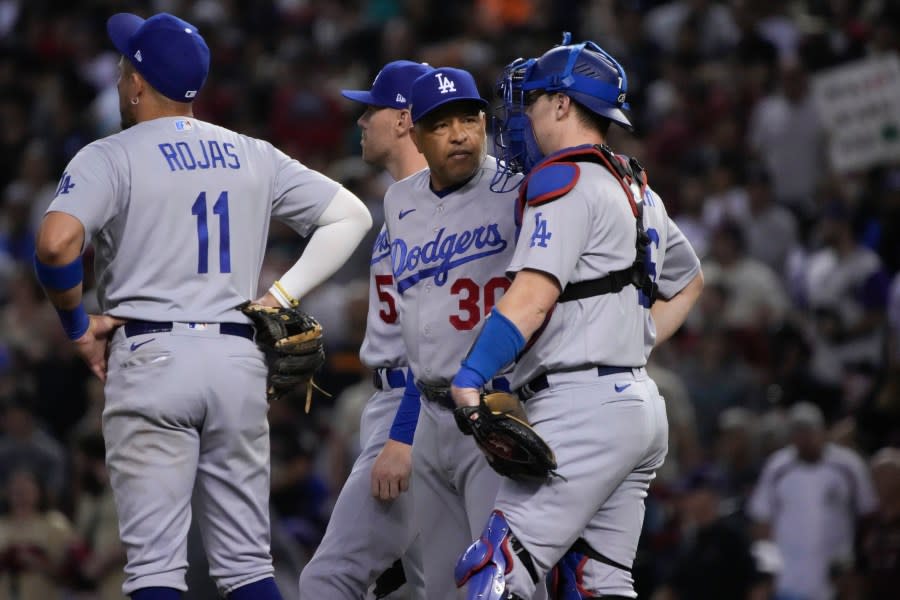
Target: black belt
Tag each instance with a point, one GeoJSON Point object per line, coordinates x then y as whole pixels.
{"type": "Point", "coordinates": [438, 395]}
{"type": "Point", "coordinates": [540, 382]}
{"type": "Point", "coordinates": [396, 378]}
{"type": "Point", "coordinates": [138, 327]}
{"type": "Point", "coordinates": [441, 394]}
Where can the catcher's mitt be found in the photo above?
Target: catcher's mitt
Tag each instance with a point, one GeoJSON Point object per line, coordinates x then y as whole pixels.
{"type": "Point", "coordinates": [502, 432]}
{"type": "Point", "coordinates": [293, 344]}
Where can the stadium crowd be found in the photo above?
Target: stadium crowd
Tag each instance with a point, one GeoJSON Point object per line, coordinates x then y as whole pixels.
{"type": "Point", "coordinates": [783, 388]}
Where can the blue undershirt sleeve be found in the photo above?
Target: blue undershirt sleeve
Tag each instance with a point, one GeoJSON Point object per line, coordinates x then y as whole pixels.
{"type": "Point", "coordinates": [404, 427]}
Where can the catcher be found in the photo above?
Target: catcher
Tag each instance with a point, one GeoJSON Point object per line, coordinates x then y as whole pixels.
{"type": "Point", "coordinates": [602, 274]}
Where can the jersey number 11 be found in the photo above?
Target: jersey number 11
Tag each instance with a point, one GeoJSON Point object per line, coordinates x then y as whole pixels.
{"type": "Point", "coordinates": [219, 208]}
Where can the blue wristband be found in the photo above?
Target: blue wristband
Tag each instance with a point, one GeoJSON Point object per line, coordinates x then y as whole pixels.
{"type": "Point", "coordinates": [59, 278]}
{"type": "Point", "coordinates": [498, 344]}
{"type": "Point", "coordinates": [75, 321]}
{"type": "Point", "coordinates": [403, 428]}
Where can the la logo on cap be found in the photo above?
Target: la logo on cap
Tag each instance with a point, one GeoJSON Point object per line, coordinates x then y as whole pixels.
{"type": "Point", "coordinates": [445, 84]}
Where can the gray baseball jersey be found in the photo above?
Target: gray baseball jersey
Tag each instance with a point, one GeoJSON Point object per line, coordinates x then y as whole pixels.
{"type": "Point", "coordinates": [178, 211]}
{"type": "Point", "coordinates": [383, 344]}
{"type": "Point", "coordinates": [181, 210]}
{"type": "Point", "coordinates": [448, 257]}
{"type": "Point", "coordinates": [594, 403]}
{"type": "Point", "coordinates": [560, 238]}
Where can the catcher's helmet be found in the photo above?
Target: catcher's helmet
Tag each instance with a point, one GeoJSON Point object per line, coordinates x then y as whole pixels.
{"type": "Point", "coordinates": [587, 74]}
{"type": "Point", "coordinates": [584, 72]}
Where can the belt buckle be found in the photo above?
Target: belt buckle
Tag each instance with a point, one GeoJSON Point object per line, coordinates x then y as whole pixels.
{"type": "Point", "coordinates": [438, 395]}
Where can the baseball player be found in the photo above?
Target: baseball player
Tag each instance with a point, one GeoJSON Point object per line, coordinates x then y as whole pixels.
{"type": "Point", "coordinates": [595, 249]}
{"type": "Point", "coordinates": [178, 211]}
{"type": "Point", "coordinates": [371, 525]}
{"type": "Point", "coordinates": [451, 239]}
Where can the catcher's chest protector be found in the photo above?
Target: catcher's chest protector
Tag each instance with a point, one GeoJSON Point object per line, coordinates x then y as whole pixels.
{"type": "Point", "coordinates": [557, 175]}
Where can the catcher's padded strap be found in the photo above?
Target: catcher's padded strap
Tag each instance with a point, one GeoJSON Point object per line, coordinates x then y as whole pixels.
{"type": "Point", "coordinates": [612, 283]}
{"type": "Point", "coordinates": [551, 181]}
{"type": "Point", "coordinates": [546, 182]}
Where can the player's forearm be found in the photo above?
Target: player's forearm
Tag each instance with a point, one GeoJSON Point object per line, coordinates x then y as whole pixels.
{"type": "Point", "coordinates": [518, 314]}
{"type": "Point", "coordinates": [669, 315]}
{"type": "Point", "coordinates": [530, 297]}
{"type": "Point", "coordinates": [57, 264]}
{"type": "Point", "coordinates": [403, 428]}
{"type": "Point", "coordinates": [341, 227]}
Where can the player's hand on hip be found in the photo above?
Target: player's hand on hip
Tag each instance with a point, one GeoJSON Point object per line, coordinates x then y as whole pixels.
{"type": "Point", "coordinates": [391, 471]}
{"type": "Point", "coordinates": [465, 396]}
{"type": "Point", "coordinates": [93, 345]}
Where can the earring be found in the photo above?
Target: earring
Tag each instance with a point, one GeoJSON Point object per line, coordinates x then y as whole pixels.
{"type": "Point", "coordinates": [135, 100]}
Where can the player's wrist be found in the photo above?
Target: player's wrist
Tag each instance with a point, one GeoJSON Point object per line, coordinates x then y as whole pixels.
{"type": "Point", "coordinates": [281, 295]}
{"type": "Point", "coordinates": [498, 344]}
{"type": "Point", "coordinates": [467, 377]}
{"type": "Point", "coordinates": [75, 322]}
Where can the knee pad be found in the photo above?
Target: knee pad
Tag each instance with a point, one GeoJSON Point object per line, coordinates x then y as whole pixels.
{"type": "Point", "coordinates": [485, 564]}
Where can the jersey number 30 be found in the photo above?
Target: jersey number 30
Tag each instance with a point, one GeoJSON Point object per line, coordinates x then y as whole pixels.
{"type": "Point", "coordinates": [219, 208]}
{"type": "Point", "coordinates": [469, 300]}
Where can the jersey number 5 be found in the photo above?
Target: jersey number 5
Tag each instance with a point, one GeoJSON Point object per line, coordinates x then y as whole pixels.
{"type": "Point", "coordinates": [219, 208]}
{"type": "Point", "coordinates": [382, 284]}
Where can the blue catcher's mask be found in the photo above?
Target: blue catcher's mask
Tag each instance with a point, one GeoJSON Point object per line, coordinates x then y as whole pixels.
{"type": "Point", "coordinates": [584, 72]}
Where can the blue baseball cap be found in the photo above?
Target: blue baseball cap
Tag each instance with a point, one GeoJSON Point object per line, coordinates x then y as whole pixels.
{"type": "Point", "coordinates": [168, 52]}
{"type": "Point", "coordinates": [391, 86]}
{"type": "Point", "coordinates": [441, 86]}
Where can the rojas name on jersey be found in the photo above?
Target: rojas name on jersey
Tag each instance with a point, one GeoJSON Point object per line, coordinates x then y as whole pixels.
{"type": "Point", "coordinates": [448, 251]}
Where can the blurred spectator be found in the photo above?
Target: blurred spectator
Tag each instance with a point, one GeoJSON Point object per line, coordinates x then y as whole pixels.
{"type": "Point", "coordinates": [737, 455]}
{"type": "Point", "coordinates": [691, 219]}
{"type": "Point", "coordinates": [35, 187]}
{"type": "Point", "coordinates": [717, 379]}
{"type": "Point", "coordinates": [98, 561]}
{"type": "Point", "coordinates": [27, 322]}
{"type": "Point", "coordinates": [880, 559]}
{"type": "Point", "coordinates": [344, 441]}
{"type": "Point", "coordinates": [769, 229]}
{"type": "Point", "coordinates": [33, 541]}
{"type": "Point", "coordinates": [684, 445]}
{"type": "Point", "coordinates": [714, 24]}
{"type": "Point", "coordinates": [714, 559]}
{"type": "Point", "coordinates": [846, 288]}
{"type": "Point", "coordinates": [787, 136]}
{"type": "Point", "coordinates": [893, 317]}
{"type": "Point", "coordinates": [809, 499]}
{"type": "Point", "coordinates": [25, 445]}
{"type": "Point", "coordinates": [298, 493]}
{"type": "Point", "coordinates": [756, 297]}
